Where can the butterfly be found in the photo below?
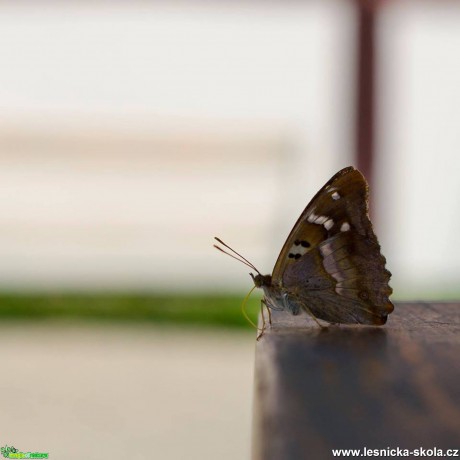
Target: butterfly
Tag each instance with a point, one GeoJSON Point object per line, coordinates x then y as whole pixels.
{"type": "Point", "coordinates": [330, 266]}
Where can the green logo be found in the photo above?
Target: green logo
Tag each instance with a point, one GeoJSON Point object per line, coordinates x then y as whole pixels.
{"type": "Point", "coordinates": [12, 452]}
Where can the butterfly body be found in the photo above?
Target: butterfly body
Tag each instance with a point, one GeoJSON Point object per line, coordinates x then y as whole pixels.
{"type": "Point", "coordinates": [330, 265]}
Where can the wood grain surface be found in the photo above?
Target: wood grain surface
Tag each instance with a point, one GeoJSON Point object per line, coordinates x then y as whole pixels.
{"type": "Point", "coordinates": [358, 386]}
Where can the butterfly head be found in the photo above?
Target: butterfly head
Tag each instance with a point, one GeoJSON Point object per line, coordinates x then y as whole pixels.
{"type": "Point", "coordinates": [261, 280]}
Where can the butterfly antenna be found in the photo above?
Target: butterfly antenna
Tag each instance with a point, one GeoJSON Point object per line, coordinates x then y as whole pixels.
{"type": "Point", "coordinates": [231, 255]}
{"type": "Point", "coordinates": [241, 258]}
{"type": "Point", "coordinates": [245, 313]}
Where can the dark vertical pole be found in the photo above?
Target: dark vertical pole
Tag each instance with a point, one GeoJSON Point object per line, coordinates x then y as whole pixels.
{"type": "Point", "coordinates": [365, 92]}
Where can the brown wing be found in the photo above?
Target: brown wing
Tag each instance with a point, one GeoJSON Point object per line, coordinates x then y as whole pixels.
{"type": "Point", "coordinates": [331, 261]}
{"type": "Point", "coordinates": [343, 280]}
{"type": "Point", "coordinates": [341, 201]}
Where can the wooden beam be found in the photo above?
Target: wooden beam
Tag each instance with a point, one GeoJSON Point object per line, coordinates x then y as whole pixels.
{"type": "Point", "coordinates": [350, 387]}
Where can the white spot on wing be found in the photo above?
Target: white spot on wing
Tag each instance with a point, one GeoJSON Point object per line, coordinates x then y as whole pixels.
{"type": "Point", "coordinates": [345, 227]}
{"type": "Point", "coordinates": [298, 250]}
{"type": "Point", "coordinates": [328, 224]}
{"type": "Point", "coordinates": [329, 263]}
{"type": "Point", "coordinates": [335, 196]}
{"type": "Point", "coordinates": [326, 249]}
{"type": "Point", "coordinates": [312, 217]}
{"type": "Point", "coordinates": [320, 220]}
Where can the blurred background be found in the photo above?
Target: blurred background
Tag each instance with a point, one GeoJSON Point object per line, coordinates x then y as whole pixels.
{"type": "Point", "coordinates": [132, 133]}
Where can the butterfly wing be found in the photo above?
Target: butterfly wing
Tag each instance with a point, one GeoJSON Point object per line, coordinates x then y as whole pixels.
{"type": "Point", "coordinates": [331, 264]}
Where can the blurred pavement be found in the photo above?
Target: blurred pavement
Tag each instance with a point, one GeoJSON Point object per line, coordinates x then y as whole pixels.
{"type": "Point", "coordinates": [114, 391]}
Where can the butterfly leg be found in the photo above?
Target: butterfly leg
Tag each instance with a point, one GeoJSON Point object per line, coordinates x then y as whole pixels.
{"type": "Point", "coordinates": [263, 321]}
{"type": "Point", "coordinates": [314, 317]}
{"type": "Point", "coordinates": [268, 311]}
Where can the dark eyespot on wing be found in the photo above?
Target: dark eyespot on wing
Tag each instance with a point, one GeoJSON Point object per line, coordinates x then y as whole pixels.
{"type": "Point", "coordinates": [297, 242]}
{"type": "Point", "coordinates": [291, 256]}
{"type": "Point", "coordinates": [305, 244]}
{"type": "Point", "coordinates": [297, 256]}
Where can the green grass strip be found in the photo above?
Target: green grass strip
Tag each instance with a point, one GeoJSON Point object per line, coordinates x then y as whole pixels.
{"type": "Point", "coordinates": [217, 310]}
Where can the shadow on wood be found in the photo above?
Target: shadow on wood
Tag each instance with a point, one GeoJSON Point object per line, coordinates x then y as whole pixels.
{"type": "Point", "coordinates": [358, 386]}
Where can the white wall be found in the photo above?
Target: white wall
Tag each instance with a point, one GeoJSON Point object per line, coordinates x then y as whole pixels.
{"type": "Point", "coordinates": [132, 133]}
{"type": "Point", "coordinates": [419, 145]}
